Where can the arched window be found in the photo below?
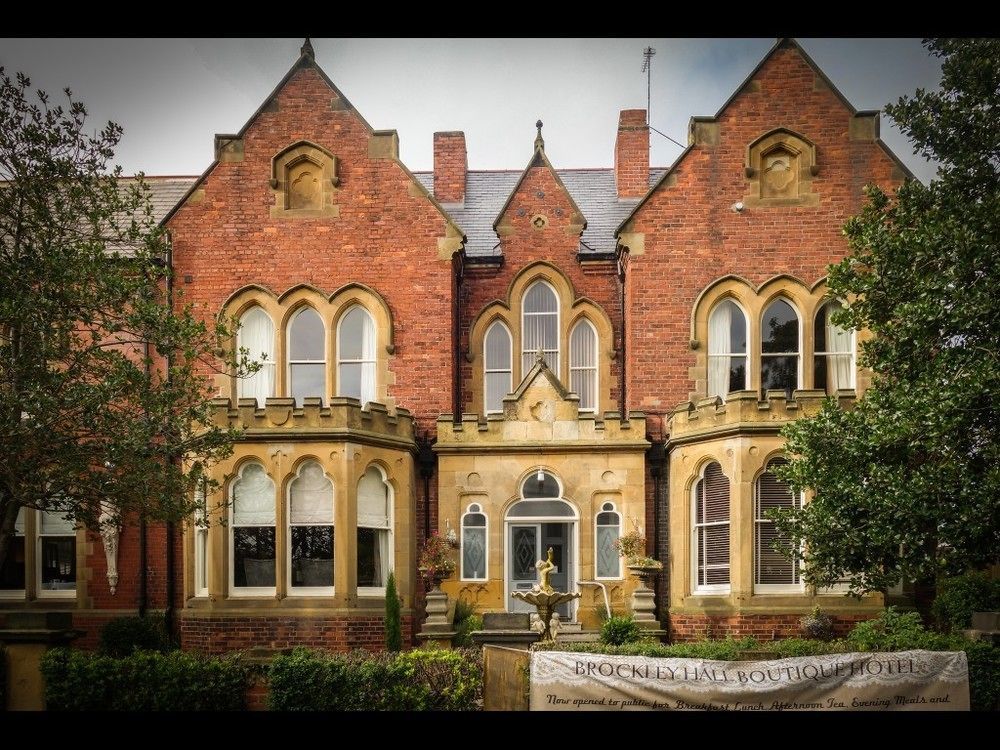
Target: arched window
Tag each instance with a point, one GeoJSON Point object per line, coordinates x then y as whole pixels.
{"type": "Point", "coordinates": [583, 364]}
{"type": "Point", "coordinates": [306, 356]}
{"type": "Point", "coordinates": [608, 524]}
{"type": "Point", "coordinates": [497, 357]}
{"type": "Point", "coordinates": [728, 366]}
{"type": "Point", "coordinates": [200, 541]}
{"type": "Point", "coordinates": [540, 327]}
{"type": "Point", "coordinates": [374, 532]}
{"type": "Point", "coordinates": [779, 348]}
{"type": "Point", "coordinates": [711, 531]}
{"type": "Point", "coordinates": [541, 493]}
{"type": "Point", "coordinates": [474, 544]}
{"type": "Point", "coordinates": [252, 532]}
{"type": "Point", "coordinates": [356, 355]}
{"type": "Point", "coordinates": [256, 335]}
{"type": "Point", "coordinates": [56, 554]}
{"type": "Point", "coordinates": [12, 572]}
{"type": "Point", "coordinates": [834, 352]}
{"type": "Point", "coordinates": [310, 531]}
{"type": "Point", "coordinates": [772, 571]}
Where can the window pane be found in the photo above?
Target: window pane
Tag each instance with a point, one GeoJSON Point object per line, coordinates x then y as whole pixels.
{"type": "Point", "coordinates": [780, 328]}
{"type": "Point", "coordinates": [373, 557]}
{"type": "Point", "coordinates": [737, 373]}
{"type": "Point", "coordinates": [712, 527]}
{"type": "Point", "coordinates": [497, 347]}
{"type": "Point", "coordinates": [779, 372]}
{"type": "Point", "coordinates": [357, 335]}
{"type": "Point", "coordinates": [498, 385]}
{"type": "Point", "coordinates": [373, 500]}
{"type": "Point", "coordinates": [311, 496]}
{"type": "Point", "coordinates": [820, 373]}
{"type": "Point", "coordinates": [256, 335]}
{"type": "Point", "coordinates": [350, 380]}
{"type": "Point", "coordinates": [53, 522]}
{"type": "Point", "coordinates": [584, 384]}
{"type": "Point", "coordinates": [253, 497]}
{"type": "Point", "coordinates": [540, 298]}
{"type": "Point", "coordinates": [12, 570]}
{"type": "Point", "coordinates": [474, 551]}
{"type": "Point", "coordinates": [312, 555]}
{"type": "Point", "coordinates": [608, 559]}
{"type": "Point", "coordinates": [307, 380]}
{"type": "Point", "coordinates": [58, 562]}
{"type": "Point", "coordinates": [819, 331]}
{"type": "Point", "coordinates": [306, 337]}
{"type": "Point", "coordinates": [253, 556]}
{"type": "Point", "coordinates": [771, 567]}
{"type": "Point", "coordinates": [540, 509]}
{"type": "Point", "coordinates": [548, 487]}
{"type": "Point", "coordinates": [200, 559]}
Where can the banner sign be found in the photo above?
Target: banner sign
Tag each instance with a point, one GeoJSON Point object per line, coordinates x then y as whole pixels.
{"type": "Point", "coordinates": [898, 681]}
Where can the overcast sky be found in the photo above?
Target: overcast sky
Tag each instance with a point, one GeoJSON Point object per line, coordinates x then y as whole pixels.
{"type": "Point", "coordinates": [172, 95]}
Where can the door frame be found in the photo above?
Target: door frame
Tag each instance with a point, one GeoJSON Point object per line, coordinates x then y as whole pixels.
{"type": "Point", "coordinates": [573, 542]}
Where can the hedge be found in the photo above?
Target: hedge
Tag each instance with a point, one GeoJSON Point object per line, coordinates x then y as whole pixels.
{"type": "Point", "coordinates": [958, 597]}
{"type": "Point", "coordinates": [144, 681]}
{"type": "Point", "coordinates": [432, 680]}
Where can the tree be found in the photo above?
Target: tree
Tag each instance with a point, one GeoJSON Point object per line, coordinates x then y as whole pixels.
{"type": "Point", "coordinates": [103, 384]}
{"type": "Point", "coordinates": [393, 619]}
{"type": "Point", "coordinates": [907, 484]}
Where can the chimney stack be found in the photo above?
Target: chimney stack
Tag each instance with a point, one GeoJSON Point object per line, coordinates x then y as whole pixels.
{"type": "Point", "coordinates": [450, 166]}
{"type": "Point", "coordinates": [631, 154]}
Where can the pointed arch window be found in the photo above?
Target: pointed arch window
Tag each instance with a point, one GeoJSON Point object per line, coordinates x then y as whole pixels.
{"type": "Point", "coordinates": [728, 353]}
{"type": "Point", "coordinates": [773, 572]}
{"type": "Point", "coordinates": [310, 531]}
{"type": "Point", "coordinates": [833, 363]}
{"type": "Point", "coordinates": [608, 528]}
{"type": "Point", "coordinates": [711, 532]}
{"type": "Point", "coordinates": [779, 357]}
{"type": "Point", "coordinates": [256, 335]}
{"type": "Point", "coordinates": [356, 355]}
{"type": "Point", "coordinates": [475, 548]}
{"type": "Point", "coordinates": [306, 356]}
{"type": "Point", "coordinates": [252, 532]}
{"type": "Point", "coordinates": [497, 356]}
{"type": "Point", "coordinates": [540, 327]}
{"type": "Point", "coordinates": [583, 364]}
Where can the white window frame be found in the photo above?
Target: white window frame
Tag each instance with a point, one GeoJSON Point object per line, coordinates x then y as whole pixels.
{"type": "Point", "coordinates": [486, 547]}
{"type": "Point", "coordinates": [710, 588]}
{"type": "Point", "coordinates": [243, 592]}
{"type": "Point", "coordinates": [269, 363]}
{"type": "Point", "coordinates": [290, 361]}
{"type": "Point", "coordinates": [20, 594]}
{"type": "Point", "coordinates": [798, 355]}
{"type": "Point", "coordinates": [828, 354]}
{"type": "Point", "coordinates": [771, 588]}
{"type": "Point", "coordinates": [312, 591]}
{"type": "Point", "coordinates": [600, 510]}
{"type": "Point", "coordinates": [555, 365]}
{"type": "Point", "coordinates": [201, 553]}
{"type": "Point", "coordinates": [728, 357]}
{"type": "Point", "coordinates": [361, 361]}
{"type": "Point", "coordinates": [596, 369]}
{"type": "Point", "coordinates": [487, 370]}
{"type": "Point", "coordinates": [378, 591]}
{"type": "Point", "coordinates": [42, 593]}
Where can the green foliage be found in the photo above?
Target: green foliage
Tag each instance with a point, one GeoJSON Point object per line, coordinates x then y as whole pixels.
{"type": "Point", "coordinates": [618, 630]}
{"type": "Point", "coordinates": [907, 484]}
{"type": "Point", "coordinates": [145, 681]}
{"type": "Point", "coordinates": [393, 618]}
{"type": "Point", "coordinates": [432, 680]}
{"type": "Point", "coordinates": [726, 650]}
{"type": "Point", "coordinates": [126, 635]}
{"type": "Point", "coordinates": [958, 597]}
{"type": "Point", "coordinates": [465, 623]}
{"type": "Point", "coordinates": [894, 630]}
{"type": "Point", "coordinates": [90, 419]}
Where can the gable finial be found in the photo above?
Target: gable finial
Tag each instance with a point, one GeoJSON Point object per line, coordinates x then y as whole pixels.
{"type": "Point", "coordinates": [540, 358]}
{"type": "Point", "coordinates": [539, 141]}
{"type": "Point", "coordinates": [307, 49]}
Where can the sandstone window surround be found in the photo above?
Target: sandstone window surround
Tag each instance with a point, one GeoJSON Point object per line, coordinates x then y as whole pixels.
{"type": "Point", "coordinates": [607, 530]}
{"type": "Point", "coordinates": [780, 169]}
{"type": "Point", "coordinates": [314, 345]}
{"type": "Point", "coordinates": [542, 311]}
{"type": "Point", "coordinates": [304, 181]}
{"type": "Point", "coordinates": [42, 558]}
{"type": "Point", "coordinates": [775, 336]}
{"type": "Point", "coordinates": [774, 573]}
{"type": "Point", "coordinates": [710, 547]}
{"type": "Point", "coordinates": [475, 548]}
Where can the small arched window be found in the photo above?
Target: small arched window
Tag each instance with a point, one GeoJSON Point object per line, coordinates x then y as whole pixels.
{"type": "Point", "coordinates": [497, 357]}
{"type": "Point", "coordinates": [540, 327]}
{"type": "Point", "coordinates": [310, 531]}
{"type": "Point", "coordinates": [608, 527]}
{"type": "Point", "coordinates": [779, 353]}
{"type": "Point", "coordinates": [356, 355]}
{"type": "Point", "coordinates": [711, 531]}
{"type": "Point", "coordinates": [474, 544]}
{"type": "Point", "coordinates": [256, 335]}
{"type": "Point", "coordinates": [252, 532]}
{"type": "Point", "coordinates": [374, 542]}
{"type": "Point", "coordinates": [583, 364]}
{"type": "Point", "coordinates": [306, 356]}
{"type": "Point", "coordinates": [833, 364]}
{"type": "Point", "coordinates": [773, 571]}
{"type": "Point", "coordinates": [728, 366]}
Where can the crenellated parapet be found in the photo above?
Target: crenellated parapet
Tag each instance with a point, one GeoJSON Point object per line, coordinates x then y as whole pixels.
{"type": "Point", "coordinates": [547, 431]}
{"type": "Point", "coordinates": [343, 418]}
{"type": "Point", "coordinates": [744, 412]}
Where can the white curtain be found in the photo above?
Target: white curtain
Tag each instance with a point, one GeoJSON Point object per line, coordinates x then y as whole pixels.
{"type": "Point", "coordinates": [540, 327]}
{"type": "Point", "coordinates": [583, 364]}
{"type": "Point", "coordinates": [311, 496]}
{"type": "Point", "coordinates": [253, 497]}
{"type": "Point", "coordinates": [368, 358]}
{"type": "Point", "coordinates": [719, 325]}
{"type": "Point", "coordinates": [382, 557]}
{"type": "Point", "coordinates": [256, 335]}
{"type": "Point", "coordinates": [840, 345]}
{"type": "Point", "coordinates": [497, 366]}
{"type": "Point", "coordinates": [373, 501]}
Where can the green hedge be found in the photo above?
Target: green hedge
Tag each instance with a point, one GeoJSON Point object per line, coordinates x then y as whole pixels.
{"type": "Point", "coordinates": [144, 681]}
{"type": "Point", "coordinates": [958, 597]}
{"type": "Point", "coordinates": [124, 636]}
{"type": "Point", "coordinates": [435, 680]}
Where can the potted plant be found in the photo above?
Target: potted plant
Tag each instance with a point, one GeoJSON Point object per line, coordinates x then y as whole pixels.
{"type": "Point", "coordinates": [435, 562]}
{"type": "Point", "coordinates": [632, 546]}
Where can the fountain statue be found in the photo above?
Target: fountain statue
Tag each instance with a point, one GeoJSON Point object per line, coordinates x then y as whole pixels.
{"type": "Point", "coordinates": [545, 598]}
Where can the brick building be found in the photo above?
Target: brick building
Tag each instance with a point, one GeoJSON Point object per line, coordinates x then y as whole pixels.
{"type": "Point", "coordinates": [522, 359]}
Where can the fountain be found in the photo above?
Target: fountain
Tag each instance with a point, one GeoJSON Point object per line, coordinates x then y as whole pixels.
{"type": "Point", "coordinates": [545, 598]}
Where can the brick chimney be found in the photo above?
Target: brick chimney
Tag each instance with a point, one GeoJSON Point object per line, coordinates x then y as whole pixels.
{"type": "Point", "coordinates": [450, 166]}
{"type": "Point", "coordinates": [631, 154]}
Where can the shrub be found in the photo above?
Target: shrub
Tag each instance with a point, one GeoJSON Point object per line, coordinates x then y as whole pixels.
{"type": "Point", "coordinates": [124, 636]}
{"type": "Point", "coordinates": [893, 631]}
{"type": "Point", "coordinates": [958, 597]}
{"type": "Point", "coordinates": [817, 625]}
{"type": "Point", "coordinates": [144, 681]}
{"type": "Point", "coordinates": [419, 680]}
{"type": "Point", "coordinates": [618, 630]}
{"type": "Point", "coordinates": [465, 623]}
{"type": "Point", "coordinates": [393, 618]}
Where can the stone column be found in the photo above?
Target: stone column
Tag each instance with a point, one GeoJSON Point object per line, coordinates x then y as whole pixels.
{"type": "Point", "coordinates": [26, 637]}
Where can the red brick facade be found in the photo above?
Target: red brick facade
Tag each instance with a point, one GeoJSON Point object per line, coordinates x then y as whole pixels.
{"type": "Point", "coordinates": [632, 154]}
{"type": "Point", "coordinates": [761, 627]}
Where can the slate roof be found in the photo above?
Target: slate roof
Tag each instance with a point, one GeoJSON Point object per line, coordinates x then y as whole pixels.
{"type": "Point", "coordinates": [166, 192]}
{"type": "Point", "coordinates": [486, 192]}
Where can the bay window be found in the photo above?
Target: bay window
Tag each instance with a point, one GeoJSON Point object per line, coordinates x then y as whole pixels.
{"type": "Point", "coordinates": [711, 531]}
{"type": "Point", "coordinates": [374, 534]}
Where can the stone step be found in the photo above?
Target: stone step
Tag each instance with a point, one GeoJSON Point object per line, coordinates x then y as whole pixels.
{"type": "Point", "coordinates": [582, 636]}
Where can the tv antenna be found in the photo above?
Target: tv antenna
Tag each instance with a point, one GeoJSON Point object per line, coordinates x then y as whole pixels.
{"type": "Point", "coordinates": [647, 68]}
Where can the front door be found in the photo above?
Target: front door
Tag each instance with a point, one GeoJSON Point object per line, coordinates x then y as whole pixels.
{"type": "Point", "coordinates": [525, 551]}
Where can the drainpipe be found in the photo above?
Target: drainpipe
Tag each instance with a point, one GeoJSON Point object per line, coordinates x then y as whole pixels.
{"type": "Point", "coordinates": [456, 338]}
{"type": "Point", "coordinates": [656, 455]}
{"type": "Point", "coordinates": [623, 359]}
{"type": "Point", "coordinates": [168, 613]}
{"type": "Point", "coordinates": [427, 460]}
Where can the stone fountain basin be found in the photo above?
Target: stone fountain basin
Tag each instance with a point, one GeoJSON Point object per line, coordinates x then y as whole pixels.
{"type": "Point", "coordinates": [545, 600]}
